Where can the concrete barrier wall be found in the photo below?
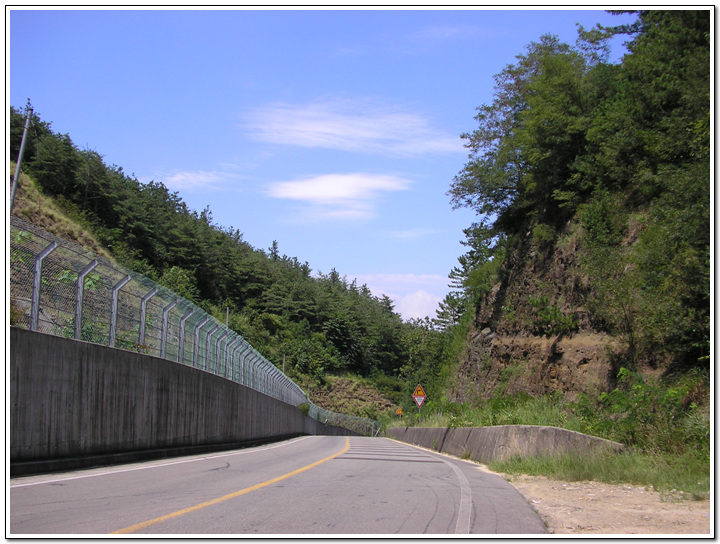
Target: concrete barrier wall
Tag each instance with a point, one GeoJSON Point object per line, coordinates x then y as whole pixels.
{"type": "Point", "coordinates": [487, 444]}
{"type": "Point", "coordinates": [73, 399]}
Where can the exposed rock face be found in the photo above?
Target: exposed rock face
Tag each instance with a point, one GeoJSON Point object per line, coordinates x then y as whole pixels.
{"type": "Point", "coordinates": [534, 365]}
{"type": "Point", "coordinates": [515, 347]}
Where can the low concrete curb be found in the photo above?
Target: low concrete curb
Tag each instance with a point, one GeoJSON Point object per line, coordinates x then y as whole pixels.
{"type": "Point", "coordinates": [487, 444]}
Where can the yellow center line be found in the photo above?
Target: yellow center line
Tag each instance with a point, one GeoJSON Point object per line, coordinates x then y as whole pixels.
{"type": "Point", "coordinates": [146, 524]}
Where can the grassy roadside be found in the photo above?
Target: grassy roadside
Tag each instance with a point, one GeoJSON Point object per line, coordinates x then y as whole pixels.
{"type": "Point", "coordinates": [665, 426]}
{"type": "Point", "coordinates": [688, 474]}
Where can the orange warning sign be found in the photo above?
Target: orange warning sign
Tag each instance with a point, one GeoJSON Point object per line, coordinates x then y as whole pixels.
{"type": "Point", "coordinates": [419, 396]}
{"type": "Point", "coordinates": [399, 411]}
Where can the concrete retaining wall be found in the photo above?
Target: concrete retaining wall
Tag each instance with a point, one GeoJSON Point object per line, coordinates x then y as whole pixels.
{"type": "Point", "coordinates": [71, 399]}
{"type": "Point", "coordinates": [486, 444]}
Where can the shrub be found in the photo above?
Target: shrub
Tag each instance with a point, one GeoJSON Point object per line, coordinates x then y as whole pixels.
{"type": "Point", "coordinates": [549, 319]}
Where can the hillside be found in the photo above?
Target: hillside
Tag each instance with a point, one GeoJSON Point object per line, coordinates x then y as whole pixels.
{"type": "Point", "coordinates": [348, 395]}
{"type": "Point", "coordinates": [592, 186]}
{"type": "Point", "coordinates": [43, 211]}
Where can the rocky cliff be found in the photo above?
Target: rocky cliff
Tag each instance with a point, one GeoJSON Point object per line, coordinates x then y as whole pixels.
{"type": "Point", "coordinates": [532, 333]}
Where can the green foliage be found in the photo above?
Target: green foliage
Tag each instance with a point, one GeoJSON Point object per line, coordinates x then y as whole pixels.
{"type": "Point", "coordinates": [549, 319]}
{"type": "Point", "coordinates": [602, 218]}
{"type": "Point", "coordinates": [456, 421]}
{"type": "Point", "coordinates": [623, 149]}
{"type": "Point", "coordinates": [543, 233]}
{"type": "Point", "coordinates": [181, 282]}
{"type": "Point", "coordinates": [390, 387]}
{"type": "Point", "coordinates": [16, 314]}
{"type": "Point", "coordinates": [649, 414]}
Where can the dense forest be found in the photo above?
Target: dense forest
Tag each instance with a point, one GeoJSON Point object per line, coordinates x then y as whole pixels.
{"type": "Point", "coordinates": [609, 159]}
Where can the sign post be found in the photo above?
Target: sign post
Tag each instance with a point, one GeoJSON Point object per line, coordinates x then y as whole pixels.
{"type": "Point", "coordinates": [419, 397]}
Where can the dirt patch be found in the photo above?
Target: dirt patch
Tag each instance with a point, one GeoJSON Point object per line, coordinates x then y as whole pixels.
{"type": "Point", "coordinates": [599, 508]}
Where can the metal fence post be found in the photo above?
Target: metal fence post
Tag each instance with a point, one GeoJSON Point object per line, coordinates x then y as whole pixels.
{"type": "Point", "coordinates": [277, 383]}
{"type": "Point", "coordinates": [143, 308]}
{"type": "Point", "coordinates": [254, 375]}
{"type": "Point", "coordinates": [197, 340]}
{"type": "Point", "coordinates": [114, 309]}
{"type": "Point", "coordinates": [163, 334]}
{"type": "Point", "coordinates": [35, 304]}
{"type": "Point", "coordinates": [79, 298]}
{"type": "Point", "coordinates": [251, 368]}
{"type": "Point", "coordinates": [181, 337]}
{"type": "Point", "coordinates": [228, 357]}
{"type": "Point", "coordinates": [243, 365]}
{"type": "Point", "coordinates": [217, 351]}
{"type": "Point", "coordinates": [207, 346]}
{"type": "Point", "coordinates": [266, 375]}
{"type": "Point", "coordinates": [237, 343]}
{"type": "Point", "coordinates": [270, 373]}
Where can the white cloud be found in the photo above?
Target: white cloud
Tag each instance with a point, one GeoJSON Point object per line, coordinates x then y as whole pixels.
{"type": "Point", "coordinates": [417, 305]}
{"type": "Point", "coordinates": [198, 180]}
{"type": "Point", "coordinates": [359, 126]}
{"type": "Point", "coordinates": [338, 196]}
{"type": "Point", "coordinates": [414, 295]}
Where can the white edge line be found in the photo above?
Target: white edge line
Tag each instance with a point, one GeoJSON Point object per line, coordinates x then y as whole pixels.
{"type": "Point", "coordinates": [203, 458]}
{"type": "Point", "coordinates": [466, 503]}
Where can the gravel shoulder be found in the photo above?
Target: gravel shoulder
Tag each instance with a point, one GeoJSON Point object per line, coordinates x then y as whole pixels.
{"type": "Point", "coordinates": [599, 508]}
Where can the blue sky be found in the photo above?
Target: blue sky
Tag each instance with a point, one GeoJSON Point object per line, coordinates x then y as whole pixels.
{"type": "Point", "coordinates": [335, 132]}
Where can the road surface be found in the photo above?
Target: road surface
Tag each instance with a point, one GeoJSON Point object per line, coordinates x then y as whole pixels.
{"type": "Point", "coordinates": [308, 485]}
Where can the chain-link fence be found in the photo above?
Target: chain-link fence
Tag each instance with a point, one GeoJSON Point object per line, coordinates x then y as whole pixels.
{"type": "Point", "coordinates": [59, 288]}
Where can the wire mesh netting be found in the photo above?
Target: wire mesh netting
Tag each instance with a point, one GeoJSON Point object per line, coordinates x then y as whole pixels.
{"type": "Point", "coordinates": [59, 288]}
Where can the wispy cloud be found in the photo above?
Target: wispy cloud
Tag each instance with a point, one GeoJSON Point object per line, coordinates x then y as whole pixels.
{"type": "Point", "coordinates": [338, 196]}
{"type": "Point", "coordinates": [198, 180]}
{"type": "Point", "coordinates": [350, 125]}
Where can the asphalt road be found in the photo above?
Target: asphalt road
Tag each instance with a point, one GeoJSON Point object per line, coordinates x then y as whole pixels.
{"type": "Point", "coordinates": [308, 485]}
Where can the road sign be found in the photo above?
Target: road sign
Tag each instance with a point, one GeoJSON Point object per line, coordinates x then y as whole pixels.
{"type": "Point", "coordinates": [419, 396]}
{"type": "Point", "coordinates": [399, 411]}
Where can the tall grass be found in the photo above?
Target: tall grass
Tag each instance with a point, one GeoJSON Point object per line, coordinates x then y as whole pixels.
{"type": "Point", "coordinates": [688, 473]}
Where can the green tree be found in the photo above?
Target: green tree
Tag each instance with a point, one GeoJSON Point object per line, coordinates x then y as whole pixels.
{"type": "Point", "coordinates": [624, 149]}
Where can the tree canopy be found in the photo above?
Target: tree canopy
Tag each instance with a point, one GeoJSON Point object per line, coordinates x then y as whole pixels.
{"type": "Point", "coordinates": [623, 149]}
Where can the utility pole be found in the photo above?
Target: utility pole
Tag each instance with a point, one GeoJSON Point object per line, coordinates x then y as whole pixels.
{"type": "Point", "coordinates": [16, 179]}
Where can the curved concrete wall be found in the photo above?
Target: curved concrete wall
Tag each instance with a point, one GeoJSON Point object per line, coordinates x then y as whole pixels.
{"type": "Point", "coordinates": [70, 399]}
{"type": "Point", "coordinates": [487, 444]}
